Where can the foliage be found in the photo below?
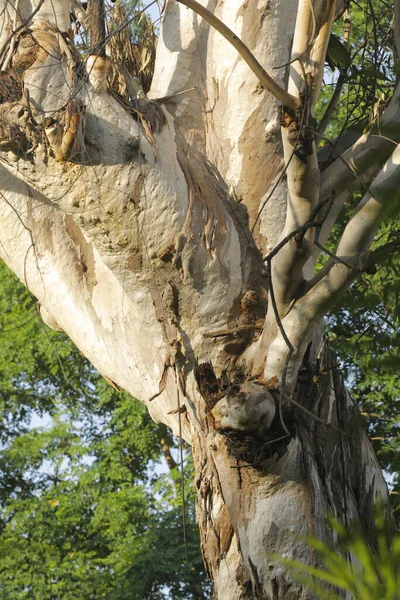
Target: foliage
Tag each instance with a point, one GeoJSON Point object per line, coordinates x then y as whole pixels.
{"type": "Point", "coordinates": [372, 574]}
{"type": "Point", "coordinates": [133, 47]}
{"type": "Point", "coordinates": [365, 332]}
{"type": "Point", "coordinates": [366, 63]}
{"type": "Point", "coordinates": [83, 511]}
{"type": "Point", "coordinates": [364, 326]}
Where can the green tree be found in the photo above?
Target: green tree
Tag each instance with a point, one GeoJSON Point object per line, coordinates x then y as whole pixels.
{"type": "Point", "coordinates": [84, 512]}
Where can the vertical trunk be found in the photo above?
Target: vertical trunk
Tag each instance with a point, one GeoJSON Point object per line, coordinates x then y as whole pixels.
{"type": "Point", "coordinates": [256, 497]}
{"type": "Point", "coordinates": [97, 28]}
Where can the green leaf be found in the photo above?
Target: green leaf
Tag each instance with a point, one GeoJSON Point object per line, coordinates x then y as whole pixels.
{"type": "Point", "coordinates": [338, 56]}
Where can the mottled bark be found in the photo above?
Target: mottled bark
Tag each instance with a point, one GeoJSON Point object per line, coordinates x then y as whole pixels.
{"type": "Point", "coordinates": [255, 497]}
{"type": "Point", "coordinates": [142, 226]}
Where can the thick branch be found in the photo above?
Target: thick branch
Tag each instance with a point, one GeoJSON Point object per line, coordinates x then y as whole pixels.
{"type": "Point", "coordinates": [336, 277]}
{"type": "Point", "coordinates": [284, 98]}
{"type": "Point", "coordinates": [308, 58]}
{"type": "Point", "coordinates": [318, 52]}
{"type": "Point", "coordinates": [313, 27]}
{"type": "Point", "coordinates": [304, 34]}
{"type": "Point", "coordinates": [97, 27]}
{"type": "Point", "coordinates": [370, 149]}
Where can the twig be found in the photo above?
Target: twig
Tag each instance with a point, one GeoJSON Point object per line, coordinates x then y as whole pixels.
{"type": "Point", "coordinates": [330, 109]}
{"type": "Point", "coordinates": [290, 236]}
{"type": "Point", "coordinates": [335, 257]}
{"type": "Point", "coordinates": [287, 342]}
{"type": "Point", "coordinates": [342, 160]}
{"type": "Point", "coordinates": [170, 96]}
{"type": "Point", "coordinates": [311, 414]}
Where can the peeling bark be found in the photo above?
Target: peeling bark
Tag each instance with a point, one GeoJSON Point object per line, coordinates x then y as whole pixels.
{"type": "Point", "coordinates": [142, 227]}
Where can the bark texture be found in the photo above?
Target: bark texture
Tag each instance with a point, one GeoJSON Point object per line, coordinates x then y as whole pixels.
{"type": "Point", "coordinates": [141, 227]}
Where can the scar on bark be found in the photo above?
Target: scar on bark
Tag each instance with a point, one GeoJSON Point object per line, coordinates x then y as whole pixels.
{"type": "Point", "coordinates": [299, 135]}
{"type": "Point", "coordinates": [244, 412]}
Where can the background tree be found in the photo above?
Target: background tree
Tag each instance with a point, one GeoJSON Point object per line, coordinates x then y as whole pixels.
{"type": "Point", "coordinates": [84, 511]}
{"type": "Point", "coordinates": [147, 234]}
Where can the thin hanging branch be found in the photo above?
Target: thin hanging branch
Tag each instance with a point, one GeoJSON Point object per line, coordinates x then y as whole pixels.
{"type": "Point", "coordinates": [284, 97]}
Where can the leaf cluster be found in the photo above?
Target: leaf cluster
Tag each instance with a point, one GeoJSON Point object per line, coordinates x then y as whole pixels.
{"type": "Point", "coordinates": [352, 564]}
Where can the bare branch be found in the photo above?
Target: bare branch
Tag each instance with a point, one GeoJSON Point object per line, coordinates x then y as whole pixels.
{"type": "Point", "coordinates": [382, 253]}
{"type": "Point", "coordinates": [319, 48]}
{"type": "Point", "coordinates": [313, 26]}
{"type": "Point", "coordinates": [330, 110]}
{"type": "Point", "coordinates": [312, 31]}
{"type": "Point", "coordinates": [330, 219]}
{"type": "Point", "coordinates": [328, 114]}
{"type": "Point", "coordinates": [78, 12]}
{"type": "Point", "coordinates": [370, 149]}
{"type": "Point", "coordinates": [21, 26]}
{"type": "Point", "coordinates": [336, 277]}
{"type": "Point", "coordinates": [284, 97]}
{"type": "Point", "coordinates": [304, 36]}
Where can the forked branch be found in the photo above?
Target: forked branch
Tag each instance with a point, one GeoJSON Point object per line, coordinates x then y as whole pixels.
{"type": "Point", "coordinates": [336, 277]}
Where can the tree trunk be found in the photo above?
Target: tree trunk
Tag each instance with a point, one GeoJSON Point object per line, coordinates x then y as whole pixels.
{"type": "Point", "coordinates": [256, 497]}
{"type": "Point", "coordinates": [141, 227]}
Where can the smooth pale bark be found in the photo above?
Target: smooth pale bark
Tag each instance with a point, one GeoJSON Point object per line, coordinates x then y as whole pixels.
{"type": "Point", "coordinates": [144, 241]}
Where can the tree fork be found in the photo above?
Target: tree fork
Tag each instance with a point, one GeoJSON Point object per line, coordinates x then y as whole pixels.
{"type": "Point", "coordinates": [99, 240]}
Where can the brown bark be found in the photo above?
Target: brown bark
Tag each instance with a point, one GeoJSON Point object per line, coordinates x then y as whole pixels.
{"type": "Point", "coordinates": [97, 27]}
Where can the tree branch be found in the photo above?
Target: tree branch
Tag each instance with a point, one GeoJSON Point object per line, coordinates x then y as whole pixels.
{"type": "Point", "coordinates": [328, 114]}
{"type": "Point", "coordinates": [336, 277]}
{"type": "Point", "coordinates": [284, 97]}
{"type": "Point", "coordinates": [319, 48]}
{"type": "Point", "coordinates": [330, 109]}
{"type": "Point", "coordinates": [21, 26]}
{"type": "Point", "coordinates": [381, 254]}
{"type": "Point", "coordinates": [370, 149]}
{"type": "Point", "coordinates": [312, 31]}
{"type": "Point", "coordinates": [304, 35]}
